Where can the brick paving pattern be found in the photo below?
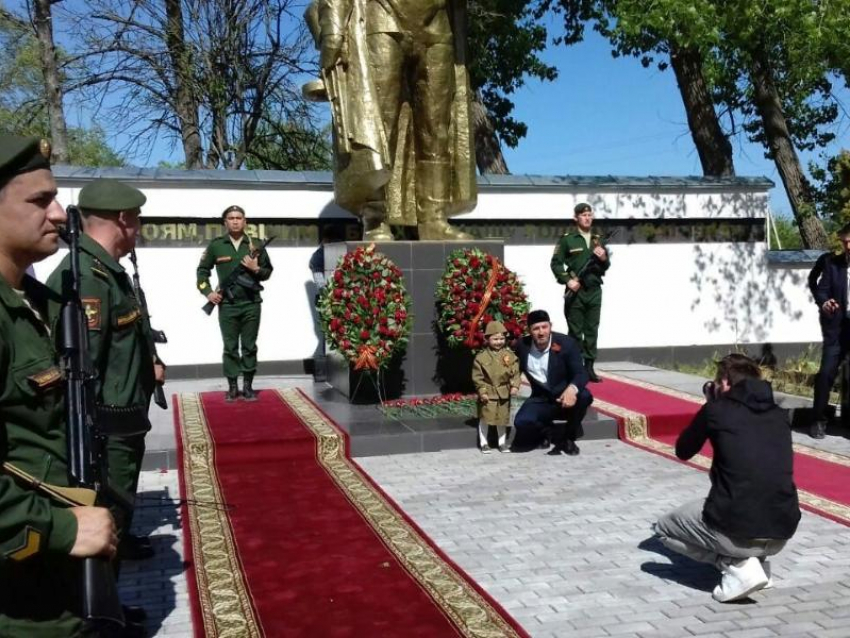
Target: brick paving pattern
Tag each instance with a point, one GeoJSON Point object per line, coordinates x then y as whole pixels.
{"type": "Point", "coordinates": [563, 543]}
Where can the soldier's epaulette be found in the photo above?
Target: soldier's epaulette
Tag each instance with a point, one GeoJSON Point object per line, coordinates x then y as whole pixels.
{"type": "Point", "coordinates": [98, 269]}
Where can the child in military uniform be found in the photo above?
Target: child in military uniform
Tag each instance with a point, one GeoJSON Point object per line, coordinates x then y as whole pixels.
{"type": "Point", "coordinates": [495, 373]}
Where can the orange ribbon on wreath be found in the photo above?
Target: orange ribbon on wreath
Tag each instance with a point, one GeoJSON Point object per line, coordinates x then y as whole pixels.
{"type": "Point", "coordinates": [485, 299]}
{"type": "Point", "coordinates": [366, 359]}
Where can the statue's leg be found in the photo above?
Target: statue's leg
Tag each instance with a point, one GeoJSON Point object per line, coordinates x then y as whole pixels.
{"type": "Point", "coordinates": [434, 85]}
{"type": "Point", "coordinates": [386, 63]}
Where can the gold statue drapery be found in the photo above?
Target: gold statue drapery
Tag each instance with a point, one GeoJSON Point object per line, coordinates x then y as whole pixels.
{"type": "Point", "coordinates": [394, 72]}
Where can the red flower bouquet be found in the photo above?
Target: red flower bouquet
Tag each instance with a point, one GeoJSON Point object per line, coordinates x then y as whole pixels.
{"type": "Point", "coordinates": [475, 289]}
{"type": "Point", "coordinates": [365, 310]}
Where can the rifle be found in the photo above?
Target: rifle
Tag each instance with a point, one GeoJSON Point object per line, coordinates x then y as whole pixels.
{"type": "Point", "coordinates": [239, 275]}
{"type": "Point", "coordinates": [86, 443]}
{"type": "Point", "coordinates": [157, 335]}
{"type": "Point", "coordinates": [590, 266]}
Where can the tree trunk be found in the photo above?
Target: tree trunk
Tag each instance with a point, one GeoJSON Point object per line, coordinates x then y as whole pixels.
{"type": "Point", "coordinates": [713, 147]}
{"type": "Point", "coordinates": [185, 105]}
{"type": "Point", "coordinates": [488, 150]}
{"type": "Point", "coordinates": [43, 21]}
{"type": "Point", "coordinates": [769, 107]}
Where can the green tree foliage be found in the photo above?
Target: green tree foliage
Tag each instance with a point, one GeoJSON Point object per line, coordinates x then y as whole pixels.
{"type": "Point", "coordinates": [506, 39]}
{"type": "Point", "coordinates": [834, 189]}
{"type": "Point", "coordinates": [22, 101]}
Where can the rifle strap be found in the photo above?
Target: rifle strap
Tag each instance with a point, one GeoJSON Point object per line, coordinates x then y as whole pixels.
{"type": "Point", "coordinates": [71, 496]}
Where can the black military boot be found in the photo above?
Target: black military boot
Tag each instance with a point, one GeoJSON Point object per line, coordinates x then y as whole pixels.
{"type": "Point", "coordinates": [232, 390]}
{"type": "Point", "coordinates": [248, 393]}
{"type": "Point", "coordinates": [591, 373]}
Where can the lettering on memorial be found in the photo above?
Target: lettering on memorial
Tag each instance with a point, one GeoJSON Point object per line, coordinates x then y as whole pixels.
{"type": "Point", "coordinates": [165, 232]}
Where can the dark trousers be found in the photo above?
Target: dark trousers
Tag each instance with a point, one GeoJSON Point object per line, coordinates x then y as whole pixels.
{"type": "Point", "coordinates": [239, 325]}
{"type": "Point", "coordinates": [832, 355]}
{"type": "Point", "coordinates": [540, 417]}
{"type": "Point", "coordinates": [582, 317]}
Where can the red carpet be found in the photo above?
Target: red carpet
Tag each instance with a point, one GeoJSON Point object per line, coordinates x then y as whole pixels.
{"type": "Point", "coordinates": [287, 536]}
{"type": "Point", "coordinates": [651, 417]}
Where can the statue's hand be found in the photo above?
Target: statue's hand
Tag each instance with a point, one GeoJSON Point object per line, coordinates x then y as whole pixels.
{"type": "Point", "coordinates": [330, 50]}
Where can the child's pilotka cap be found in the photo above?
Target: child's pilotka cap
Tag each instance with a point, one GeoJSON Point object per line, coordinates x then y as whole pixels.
{"type": "Point", "coordinates": [494, 328]}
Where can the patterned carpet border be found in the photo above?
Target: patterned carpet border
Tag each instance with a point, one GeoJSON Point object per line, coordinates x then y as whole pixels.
{"type": "Point", "coordinates": [635, 431]}
{"type": "Point", "coordinates": [224, 600]}
{"type": "Point", "coordinates": [473, 615]}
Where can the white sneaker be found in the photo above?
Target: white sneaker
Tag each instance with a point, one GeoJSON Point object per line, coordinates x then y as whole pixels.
{"type": "Point", "coordinates": [486, 449]}
{"type": "Point", "coordinates": [740, 578]}
{"type": "Point", "coordinates": [504, 449]}
{"type": "Point", "coordinates": [765, 565]}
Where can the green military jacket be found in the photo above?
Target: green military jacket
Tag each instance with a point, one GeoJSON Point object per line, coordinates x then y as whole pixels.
{"type": "Point", "coordinates": [221, 254]}
{"type": "Point", "coordinates": [32, 428]}
{"type": "Point", "coordinates": [119, 337]}
{"type": "Point", "coordinates": [572, 253]}
{"type": "Point", "coordinates": [494, 373]}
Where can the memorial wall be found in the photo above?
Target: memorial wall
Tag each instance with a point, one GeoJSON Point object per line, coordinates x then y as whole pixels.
{"type": "Point", "coordinates": [689, 258]}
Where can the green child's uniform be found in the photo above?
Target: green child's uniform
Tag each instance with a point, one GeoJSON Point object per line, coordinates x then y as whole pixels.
{"type": "Point", "coordinates": [239, 311]}
{"type": "Point", "coordinates": [39, 581]}
{"type": "Point", "coordinates": [119, 345]}
{"type": "Point", "coordinates": [495, 373]}
{"type": "Point", "coordinates": [571, 253]}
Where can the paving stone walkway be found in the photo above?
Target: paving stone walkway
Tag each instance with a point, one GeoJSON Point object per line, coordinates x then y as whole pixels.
{"type": "Point", "coordinates": [563, 543]}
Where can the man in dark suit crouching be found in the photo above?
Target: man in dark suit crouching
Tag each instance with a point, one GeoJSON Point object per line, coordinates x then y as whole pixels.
{"type": "Point", "coordinates": [559, 399]}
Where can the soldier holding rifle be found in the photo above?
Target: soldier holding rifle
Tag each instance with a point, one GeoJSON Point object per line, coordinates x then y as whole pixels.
{"type": "Point", "coordinates": [579, 262]}
{"type": "Point", "coordinates": [43, 532]}
{"type": "Point", "coordinates": [127, 368]}
{"type": "Point", "coordinates": [240, 266]}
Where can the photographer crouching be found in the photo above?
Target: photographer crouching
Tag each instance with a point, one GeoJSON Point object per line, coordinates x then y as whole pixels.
{"type": "Point", "coordinates": [752, 508]}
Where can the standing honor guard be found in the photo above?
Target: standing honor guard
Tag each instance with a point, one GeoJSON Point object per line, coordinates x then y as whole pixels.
{"type": "Point", "coordinates": [579, 262]}
{"type": "Point", "coordinates": [44, 530]}
{"type": "Point", "coordinates": [120, 342]}
{"type": "Point", "coordinates": [240, 266]}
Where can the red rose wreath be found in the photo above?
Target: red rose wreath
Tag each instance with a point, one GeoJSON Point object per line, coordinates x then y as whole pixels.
{"type": "Point", "coordinates": [365, 309]}
{"type": "Point", "coordinates": [475, 289]}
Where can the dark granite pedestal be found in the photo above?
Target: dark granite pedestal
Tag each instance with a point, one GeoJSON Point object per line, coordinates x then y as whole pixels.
{"type": "Point", "coordinates": [426, 367]}
{"type": "Point", "coordinates": [371, 433]}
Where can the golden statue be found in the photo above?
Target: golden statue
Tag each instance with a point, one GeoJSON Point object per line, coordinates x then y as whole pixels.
{"type": "Point", "coordinates": [394, 72]}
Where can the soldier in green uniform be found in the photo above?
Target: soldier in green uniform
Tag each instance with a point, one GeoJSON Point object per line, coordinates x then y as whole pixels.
{"type": "Point", "coordinates": [574, 250]}
{"type": "Point", "coordinates": [239, 306]}
{"type": "Point", "coordinates": [119, 341]}
{"type": "Point", "coordinates": [42, 532]}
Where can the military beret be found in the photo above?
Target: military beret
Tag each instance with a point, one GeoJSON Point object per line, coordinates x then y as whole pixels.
{"type": "Point", "coordinates": [581, 208]}
{"type": "Point", "coordinates": [21, 155]}
{"type": "Point", "coordinates": [494, 328]}
{"type": "Point", "coordinates": [537, 316]}
{"type": "Point", "coordinates": [110, 195]}
{"type": "Point", "coordinates": [844, 230]}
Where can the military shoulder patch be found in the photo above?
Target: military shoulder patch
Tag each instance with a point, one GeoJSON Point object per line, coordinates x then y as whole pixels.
{"type": "Point", "coordinates": [202, 285]}
{"type": "Point", "coordinates": [98, 269]}
{"type": "Point", "coordinates": [45, 378]}
{"type": "Point", "coordinates": [91, 306]}
{"type": "Point", "coordinates": [130, 317]}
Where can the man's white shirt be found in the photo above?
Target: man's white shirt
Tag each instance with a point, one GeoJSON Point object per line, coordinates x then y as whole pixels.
{"type": "Point", "coordinates": [538, 363]}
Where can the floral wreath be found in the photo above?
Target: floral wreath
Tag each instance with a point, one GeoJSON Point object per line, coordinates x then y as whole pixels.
{"type": "Point", "coordinates": [365, 310]}
{"type": "Point", "coordinates": [474, 290]}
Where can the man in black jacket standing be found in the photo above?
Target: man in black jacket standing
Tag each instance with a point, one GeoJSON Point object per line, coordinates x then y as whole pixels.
{"type": "Point", "coordinates": [559, 399]}
{"type": "Point", "coordinates": [831, 299]}
{"type": "Point", "coordinates": [752, 508]}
